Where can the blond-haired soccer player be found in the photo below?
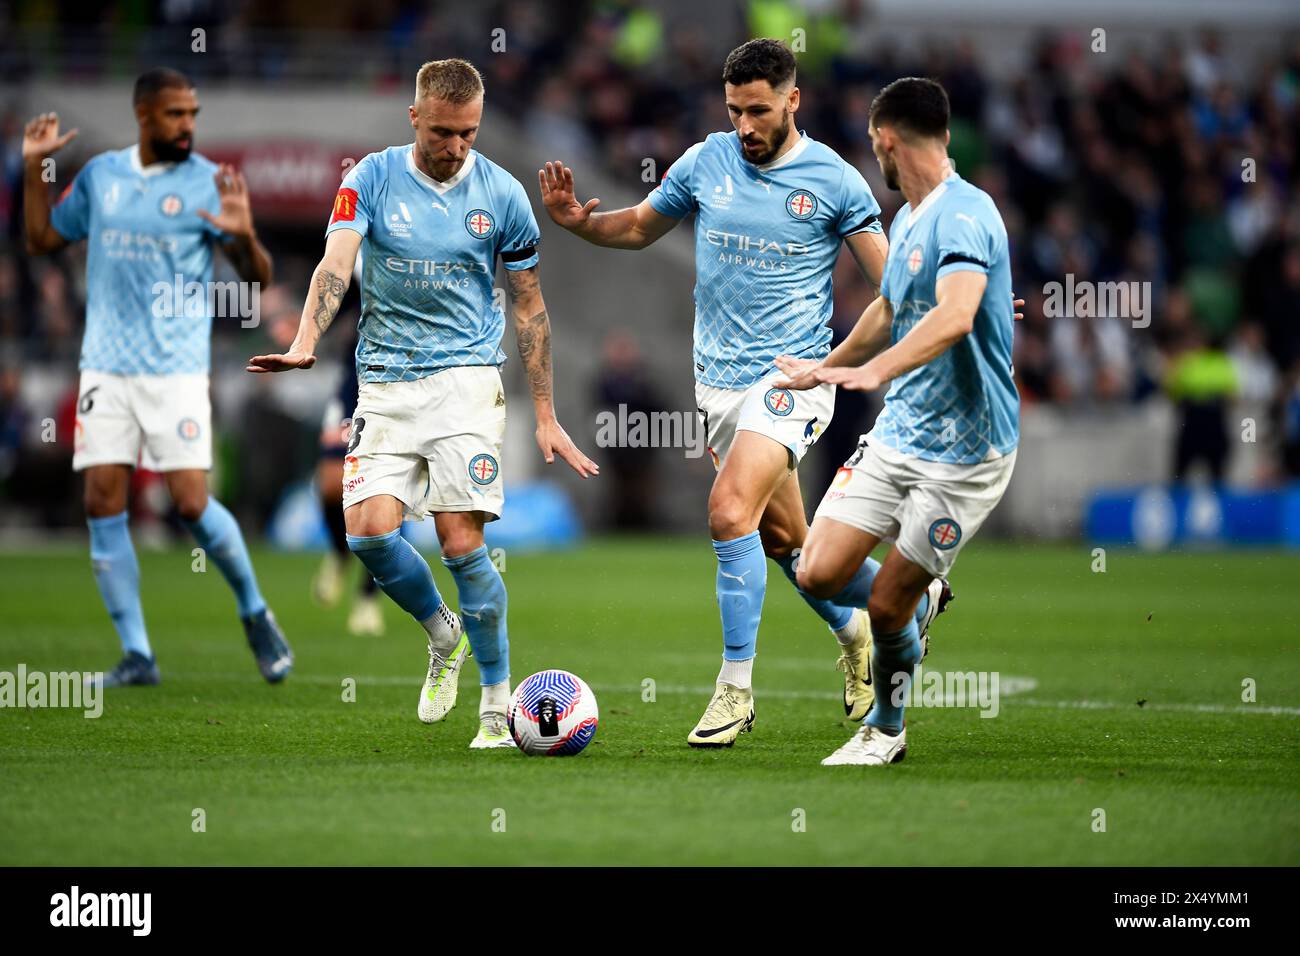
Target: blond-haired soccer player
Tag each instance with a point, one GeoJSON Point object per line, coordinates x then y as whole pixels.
{"type": "Point", "coordinates": [434, 217]}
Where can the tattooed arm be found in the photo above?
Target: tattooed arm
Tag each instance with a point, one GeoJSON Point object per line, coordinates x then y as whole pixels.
{"type": "Point", "coordinates": [329, 283]}
{"type": "Point", "coordinates": [533, 331]}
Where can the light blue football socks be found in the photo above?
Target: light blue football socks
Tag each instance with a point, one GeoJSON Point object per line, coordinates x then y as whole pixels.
{"type": "Point", "coordinates": [742, 583]}
{"type": "Point", "coordinates": [218, 535]}
{"type": "Point", "coordinates": [112, 557]}
{"type": "Point", "coordinates": [400, 570]}
{"type": "Point", "coordinates": [894, 657]}
{"type": "Point", "coordinates": [836, 616]}
{"type": "Point", "coordinates": [483, 611]}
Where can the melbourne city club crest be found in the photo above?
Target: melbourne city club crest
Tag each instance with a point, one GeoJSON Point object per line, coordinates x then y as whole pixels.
{"type": "Point", "coordinates": [801, 204]}
{"type": "Point", "coordinates": [779, 401]}
{"type": "Point", "coordinates": [480, 224]}
{"type": "Point", "coordinates": [483, 469]}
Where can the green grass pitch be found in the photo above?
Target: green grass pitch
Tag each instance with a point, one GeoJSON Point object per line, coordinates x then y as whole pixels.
{"type": "Point", "coordinates": [293, 774]}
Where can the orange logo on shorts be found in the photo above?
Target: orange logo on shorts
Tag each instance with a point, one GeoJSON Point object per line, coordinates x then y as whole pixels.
{"type": "Point", "coordinates": [842, 477]}
{"type": "Point", "coordinates": [351, 466]}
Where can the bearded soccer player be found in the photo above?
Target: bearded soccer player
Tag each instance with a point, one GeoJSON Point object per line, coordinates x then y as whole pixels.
{"type": "Point", "coordinates": [152, 214]}
{"type": "Point", "coordinates": [427, 431]}
{"type": "Point", "coordinates": [773, 208]}
{"type": "Point", "coordinates": [940, 455]}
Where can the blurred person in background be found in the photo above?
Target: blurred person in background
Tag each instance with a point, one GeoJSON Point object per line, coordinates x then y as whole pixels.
{"type": "Point", "coordinates": [624, 381]}
{"type": "Point", "coordinates": [366, 618]}
{"type": "Point", "coordinates": [1202, 382]}
{"type": "Point", "coordinates": [152, 214]}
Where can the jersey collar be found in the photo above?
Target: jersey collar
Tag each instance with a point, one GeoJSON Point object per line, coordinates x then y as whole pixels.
{"type": "Point", "coordinates": [441, 188]}
{"type": "Point", "coordinates": [931, 198]}
{"type": "Point", "coordinates": [153, 169]}
{"type": "Point", "coordinates": [791, 155]}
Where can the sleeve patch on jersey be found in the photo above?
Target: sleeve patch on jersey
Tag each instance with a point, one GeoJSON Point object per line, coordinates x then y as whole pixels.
{"type": "Point", "coordinates": [64, 195]}
{"type": "Point", "coordinates": [518, 255]}
{"type": "Point", "coordinates": [345, 206]}
{"type": "Point", "coordinates": [959, 257]}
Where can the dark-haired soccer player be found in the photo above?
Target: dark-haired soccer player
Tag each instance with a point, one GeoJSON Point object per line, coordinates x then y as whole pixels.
{"type": "Point", "coordinates": [435, 216]}
{"type": "Point", "coordinates": [940, 455]}
{"type": "Point", "coordinates": [773, 208]}
{"type": "Point", "coordinates": [152, 214]}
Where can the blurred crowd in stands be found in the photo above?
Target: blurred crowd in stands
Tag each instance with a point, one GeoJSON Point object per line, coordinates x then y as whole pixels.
{"type": "Point", "coordinates": [1175, 166]}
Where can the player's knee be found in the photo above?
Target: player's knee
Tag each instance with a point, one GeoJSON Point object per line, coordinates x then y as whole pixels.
{"type": "Point", "coordinates": [103, 500]}
{"type": "Point", "coordinates": [191, 506]}
{"type": "Point", "coordinates": [729, 518]}
{"type": "Point", "coordinates": [461, 541]}
{"type": "Point", "coordinates": [818, 582]}
{"type": "Point", "coordinates": [368, 526]}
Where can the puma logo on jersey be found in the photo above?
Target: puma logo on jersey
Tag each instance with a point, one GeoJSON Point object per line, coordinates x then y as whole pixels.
{"type": "Point", "coordinates": [969, 219]}
{"type": "Point", "coordinates": [441, 208]}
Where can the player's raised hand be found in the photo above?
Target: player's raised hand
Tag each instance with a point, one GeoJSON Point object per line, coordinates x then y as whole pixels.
{"type": "Point", "coordinates": [554, 440]}
{"type": "Point", "coordinates": [236, 215]}
{"type": "Point", "coordinates": [800, 373]}
{"type": "Point", "coordinates": [294, 358]}
{"type": "Point", "coordinates": [41, 137]}
{"type": "Point", "coordinates": [558, 197]}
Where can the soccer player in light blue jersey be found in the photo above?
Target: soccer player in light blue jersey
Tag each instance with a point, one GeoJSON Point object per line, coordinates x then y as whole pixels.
{"type": "Point", "coordinates": [942, 451]}
{"type": "Point", "coordinates": [434, 218]}
{"type": "Point", "coordinates": [151, 215]}
{"type": "Point", "coordinates": [773, 208]}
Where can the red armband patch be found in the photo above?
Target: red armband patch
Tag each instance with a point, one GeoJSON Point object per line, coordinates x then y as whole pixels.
{"type": "Point", "coordinates": [345, 206]}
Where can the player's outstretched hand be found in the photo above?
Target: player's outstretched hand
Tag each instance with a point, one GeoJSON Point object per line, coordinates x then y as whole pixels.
{"type": "Point", "coordinates": [41, 137]}
{"type": "Point", "coordinates": [236, 215]}
{"type": "Point", "coordinates": [556, 181]}
{"type": "Point", "coordinates": [554, 440]}
{"type": "Point", "coordinates": [800, 373]}
{"type": "Point", "coordinates": [1017, 304]}
{"type": "Point", "coordinates": [860, 378]}
{"type": "Point", "coordinates": [280, 363]}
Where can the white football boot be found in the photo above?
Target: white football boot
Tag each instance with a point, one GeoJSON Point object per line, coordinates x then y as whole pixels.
{"type": "Point", "coordinates": [493, 732]}
{"type": "Point", "coordinates": [870, 747]}
{"type": "Point", "coordinates": [327, 583]}
{"type": "Point", "coordinates": [366, 619]}
{"type": "Point", "coordinates": [438, 695]}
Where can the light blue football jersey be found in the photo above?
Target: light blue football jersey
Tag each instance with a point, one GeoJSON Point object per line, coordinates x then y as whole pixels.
{"type": "Point", "coordinates": [142, 230]}
{"type": "Point", "coordinates": [766, 241]}
{"type": "Point", "coordinates": [428, 261]}
{"type": "Point", "coordinates": [962, 407]}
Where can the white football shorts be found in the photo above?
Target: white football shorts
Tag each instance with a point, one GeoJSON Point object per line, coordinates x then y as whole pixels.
{"type": "Point", "coordinates": [158, 422]}
{"type": "Point", "coordinates": [434, 443]}
{"type": "Point", "coordinates": [930, 508]}
{"type": "Point", "coordinates": [794, 419]}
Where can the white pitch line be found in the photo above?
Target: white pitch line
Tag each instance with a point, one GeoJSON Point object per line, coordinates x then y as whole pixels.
{"type": "Point", "coordinates": [1009, 686]}
{"type": "Point", "coordinates": [1182, 708]}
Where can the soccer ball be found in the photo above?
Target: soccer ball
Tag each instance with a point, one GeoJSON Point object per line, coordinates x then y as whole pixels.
{"type": "Point", "coordinates": [553, 714]}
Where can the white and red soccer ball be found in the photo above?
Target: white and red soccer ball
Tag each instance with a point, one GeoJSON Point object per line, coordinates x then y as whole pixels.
{"type": "Point", "coordinates": [553, 714]}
